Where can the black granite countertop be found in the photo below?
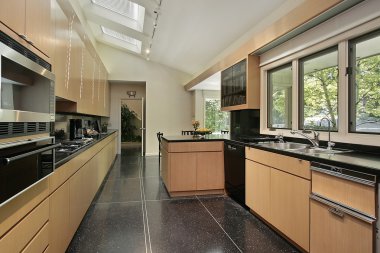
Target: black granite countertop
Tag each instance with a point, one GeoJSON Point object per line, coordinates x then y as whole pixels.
{"type": "Point", "coordinates": [355, 160]}
{"type": "Point", "coordinates": [62, 158]}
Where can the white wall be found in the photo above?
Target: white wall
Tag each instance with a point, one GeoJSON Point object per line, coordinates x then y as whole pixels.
{"type": "Point", "coordinates": [199, 103]}
{"type": "Point", "coordinates": [168, 105]}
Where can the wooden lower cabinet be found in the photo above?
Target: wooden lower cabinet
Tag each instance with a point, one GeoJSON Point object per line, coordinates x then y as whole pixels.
{"type": "Point", "coordinates": [289, 206]}
{"type": "Point", "coordinates": [331, 233]}
{"type": "Point", "coordinates": [257, 183]}
{"type": "Point", "coordinates": [189, 168]}
{"type": "Point", "coordinates": [279, 197]}
{"type": "Point", "coordinates": [183, 176]}
{"type": "Point", "coordinates": [26, 230]}
{"type": "Point", "coordinates": [209, 174]}
{"type": "Point", "coordinates": [60, 233]}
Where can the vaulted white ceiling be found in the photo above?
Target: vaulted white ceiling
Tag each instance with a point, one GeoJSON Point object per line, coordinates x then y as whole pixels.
{"type": "Point", "coordinates": [183, 34]}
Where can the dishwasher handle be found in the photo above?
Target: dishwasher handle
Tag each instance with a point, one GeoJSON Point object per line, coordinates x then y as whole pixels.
{"type": "Point", "coordinates": [340, 211]}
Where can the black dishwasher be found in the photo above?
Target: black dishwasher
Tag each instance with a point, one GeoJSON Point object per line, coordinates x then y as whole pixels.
{"type": "Point", "coordinates": [234, 171]}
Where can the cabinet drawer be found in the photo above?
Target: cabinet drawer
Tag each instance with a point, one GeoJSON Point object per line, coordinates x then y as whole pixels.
{"type": "Point", "coordinates": [195, 146]}
{"type": "Point", "coordinates": [333, 231]}
{"type": "Point", "coordinates": [40, 242]}
{"type": "Point", "coordinates": [288, 164]}
{"type": "Point", "coordinates": [17, 238]}
{"type": "Point", "coordinates": [352, 194]}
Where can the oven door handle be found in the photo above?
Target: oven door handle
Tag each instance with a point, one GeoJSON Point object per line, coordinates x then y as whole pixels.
{"type": "Point", "coordinates": [9, 160]}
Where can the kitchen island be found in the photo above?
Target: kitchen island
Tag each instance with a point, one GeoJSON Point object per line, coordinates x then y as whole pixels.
{"type": "Point", "coordinates": [192, 165]}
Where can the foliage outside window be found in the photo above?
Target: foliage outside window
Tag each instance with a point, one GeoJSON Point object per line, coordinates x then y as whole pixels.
{"type": "Point", "coordinates": [128, 125]}
{"type": "Point", "coordinates": [215, 119]}
{"type": "Point", "coordinates": [280, 97]}
{"type": "Point", "coordinates": [365, 84]}
{"type": "Point", "coordinates": [318, 78]}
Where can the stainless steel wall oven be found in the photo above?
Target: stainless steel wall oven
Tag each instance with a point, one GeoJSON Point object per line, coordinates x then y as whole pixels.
{"type": "Point", "coordinates": [27, 85]}
{"type": "Point", "coordinates": [24, 163]}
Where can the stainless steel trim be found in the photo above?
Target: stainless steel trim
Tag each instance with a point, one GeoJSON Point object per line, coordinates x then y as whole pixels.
{"type": "Point", "coordinates": [230, 147]}
{"type": "Point", "coordinates": [337, 209]}
{"type": "Point", "coordinates": [24, 61]}
{"type": "Point", "coordinates": [343, 176]}
{"type": "Point", "coordinates": [9, 160]}
{"type": "Point", "coordinates": [24, 116]}
{"type": "Point", "coordinates": [24, 190]}
{"type": "Point", "coordinates": [22, 142]}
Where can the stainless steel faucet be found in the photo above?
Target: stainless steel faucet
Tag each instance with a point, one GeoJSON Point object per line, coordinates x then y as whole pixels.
{"type": "Point", "coordinates": [330, 144]}
{"type": "Point", "coordinates": [314, 141]}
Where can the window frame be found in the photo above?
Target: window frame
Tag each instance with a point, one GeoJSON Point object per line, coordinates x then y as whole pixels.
{"type": "Point", "coordinates": [352, 79]}
{"type": "Point", "coordinates": [300, 113]}
{"type": "Point", "coordinates": [301, 47]}
{"type": "Point", "coordinates": [269, 93]}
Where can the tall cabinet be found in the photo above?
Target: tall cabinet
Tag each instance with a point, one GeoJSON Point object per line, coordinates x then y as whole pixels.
{"type": "Point", "coordinates": [81, 78]}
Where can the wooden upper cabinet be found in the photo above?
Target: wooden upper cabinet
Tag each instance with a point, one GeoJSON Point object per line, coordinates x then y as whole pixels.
{"type": "Point", "coordinates": [12, 14]}
{"type": "Point", "coordinates": [31, 20]}
{"type": "Point", "coordinates": [38, 28]}
{"type": "Point", "coordinates": [240, 85]}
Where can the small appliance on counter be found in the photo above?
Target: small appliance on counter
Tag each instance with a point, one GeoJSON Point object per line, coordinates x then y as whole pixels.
{"type": "Point", "coordinates": [76, 129]}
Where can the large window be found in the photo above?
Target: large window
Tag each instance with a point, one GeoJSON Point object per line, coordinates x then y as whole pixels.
{"type": "Point", "coordinates": [318, 79]}
{"type": "Point", "coordinates": [215, 119]}
{"type": "Point", "coordinates": [365, 83]}
{"type": "Point", "coordinates": [280, 97]}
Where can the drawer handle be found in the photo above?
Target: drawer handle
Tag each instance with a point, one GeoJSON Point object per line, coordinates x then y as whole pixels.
{"type": "Point", "coordinates": [337, 212]}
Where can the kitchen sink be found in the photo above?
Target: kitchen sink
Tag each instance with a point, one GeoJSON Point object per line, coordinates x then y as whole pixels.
{"type": "Point", "coordinates": [285, 146]}
{"type": "Point", "coordinates": [316, 151]}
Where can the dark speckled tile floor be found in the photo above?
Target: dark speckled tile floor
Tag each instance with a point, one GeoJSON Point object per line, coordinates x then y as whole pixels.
{"type": "Point", "coordinates": [132, 212]}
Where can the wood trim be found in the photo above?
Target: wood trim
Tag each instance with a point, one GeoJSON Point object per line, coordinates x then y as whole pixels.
{"type": "Point", "coordinates": [65, 106]}
{"type": "Point", "coordinates": [303, 13]}
{"type": "Point", "coordinates": [17, 38]}
{"type": "Point", "coordinates": [253, 82]}
{"type": "Point", "coordinates": [355, 195]}
{"type": "Point", "coordinates": [208, 146]}
{"type": "Point", "coordinates": [192, 193]}
{"type": "Point", "coordinates": [285, 163]}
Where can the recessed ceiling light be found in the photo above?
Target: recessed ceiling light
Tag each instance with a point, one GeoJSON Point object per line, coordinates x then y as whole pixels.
{"type": "Point", "coordinates": [147, 51]}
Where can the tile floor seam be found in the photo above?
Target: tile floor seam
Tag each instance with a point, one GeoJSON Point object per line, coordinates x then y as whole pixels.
{"type": "Point", "coordinates": [117, 202]}
{"type": "Point", "coordinates": [146, 219]}
{"type": "Point", "coordinates": [143, 214]}
{"type": "Point", "coordinates": [219, 225]}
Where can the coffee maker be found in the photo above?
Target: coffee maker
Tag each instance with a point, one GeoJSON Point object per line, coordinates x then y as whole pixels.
{"type": "Point", "coordinates": [76, 129]}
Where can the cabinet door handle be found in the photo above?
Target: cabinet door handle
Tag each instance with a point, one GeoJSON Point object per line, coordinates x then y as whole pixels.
{"type": "Point", "coordinates": [23, 36]}
{"type": "Point", "coordinates": [337, 212]}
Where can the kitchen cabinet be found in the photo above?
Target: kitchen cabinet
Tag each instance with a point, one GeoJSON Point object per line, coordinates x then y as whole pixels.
{"type": "Point", "coordinates": [60, 219]}
{"type": "Point", "coordinates": [333, 231]}
{"type": "Point", "coordinates": [257, 183]}
{"type": "Point", "coordinates": [240, 85]}
{"type": "Point", "coordinates": [190, 168]}
{"type": "Point", "coordinates": [31, 21]}
{"type": "Point", "coordinates": [342, 210]}
{"type": "Point", "coordinates": [277, 189]}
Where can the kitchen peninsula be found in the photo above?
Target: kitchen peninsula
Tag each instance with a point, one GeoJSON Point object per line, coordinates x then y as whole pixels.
{"type": "Point", "coordinates": [192, 165]}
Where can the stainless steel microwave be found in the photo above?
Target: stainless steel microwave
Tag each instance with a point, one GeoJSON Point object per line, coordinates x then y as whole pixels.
{"type": "Point", "coordinates": [26, 87]}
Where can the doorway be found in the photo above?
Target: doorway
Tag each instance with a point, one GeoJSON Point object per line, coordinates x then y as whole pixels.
{"type": "Point", "coordinates": [132, 125]}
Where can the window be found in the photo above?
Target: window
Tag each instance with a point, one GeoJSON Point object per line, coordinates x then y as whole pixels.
{"type": "Point", "coordinates": [280, 97]}
{"type": "Point", "coordinates": [365, 84]}
{"type": "Point", "coordinates": [318, 79]}
{"type": "Point", "coordinates": [215, 119]}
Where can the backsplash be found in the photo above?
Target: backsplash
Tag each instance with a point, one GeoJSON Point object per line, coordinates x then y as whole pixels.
{"type": "Point", "coordinates": [245, 123]}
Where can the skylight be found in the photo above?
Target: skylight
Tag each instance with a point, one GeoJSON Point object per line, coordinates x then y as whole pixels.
{"type": "Point", "coordinates": [119, 36]}
{"type": "Point", "coordinates": [122, 7]}
{"type": "Point", "coordinates": [127, 42]}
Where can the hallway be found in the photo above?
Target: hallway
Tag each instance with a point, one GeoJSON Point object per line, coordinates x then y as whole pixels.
{"type": "Point", "coordinates": [132, 212]}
